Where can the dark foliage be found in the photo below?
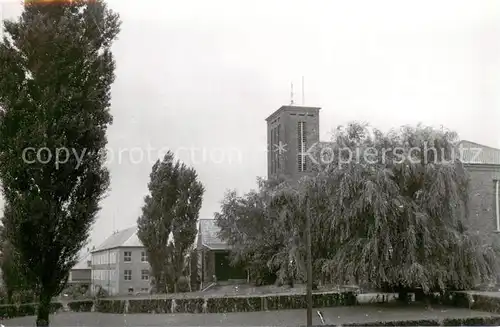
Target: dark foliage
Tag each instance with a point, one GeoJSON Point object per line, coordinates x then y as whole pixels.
{"type": "Point", "coordinates": [387, 210]}
{"type": "Point", "coordinates": [57, 70]}
{"type": "Point", "coordinates": [168, 224]}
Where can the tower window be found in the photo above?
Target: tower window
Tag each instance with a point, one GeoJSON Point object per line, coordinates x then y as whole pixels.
{"type": "Point", "coordinates": [278, 141]}
{"type": "Point", "coordinates": [301, 142]}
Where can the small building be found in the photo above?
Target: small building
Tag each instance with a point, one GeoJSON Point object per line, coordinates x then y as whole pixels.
{"type": "Point", "coordinates": [81, 273]}
{"type": "Point", "coordinates": [120, 265]}
{"type": "Point", "coordinates": [213, 256]}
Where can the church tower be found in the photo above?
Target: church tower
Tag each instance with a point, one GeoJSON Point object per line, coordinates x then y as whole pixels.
{"type": "Point", "coordinates": [291, 131]}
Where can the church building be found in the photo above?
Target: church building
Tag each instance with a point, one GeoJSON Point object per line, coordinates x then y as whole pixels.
{"type": "Point", "coordinates": [292, 130]}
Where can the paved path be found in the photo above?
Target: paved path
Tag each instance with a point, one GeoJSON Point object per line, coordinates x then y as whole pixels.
{"type": "Point", "coordinates": [337, 315]}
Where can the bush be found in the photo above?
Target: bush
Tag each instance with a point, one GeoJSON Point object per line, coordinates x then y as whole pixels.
{"type": "Point", "coordinates": [110, 306]}
{"type": "Point", "coordinates": [235, 304]}
{"type": "Point", "coordinates": [81, 306]}
{"type": "Point", "coordinates": [150, 306]}
{"type": "Point", "coordinates": [8, 311]}
{"type": "Point", "coordinates": [470, 321]}
{"type": "Point", "coordinates": [27, 310]}
{"type": "Point", "coordinates": [194, 305]}
{"type": "Point", "coordinates": [101, 293]}
{"type": "Point", "coordinates": [24, 297]}
{"type": "Point", "coordinates": [76, 292]}
{"type": "Point", "coordinates": [55, 306]}
{"type": "Point", "coordinates": [183, 284]}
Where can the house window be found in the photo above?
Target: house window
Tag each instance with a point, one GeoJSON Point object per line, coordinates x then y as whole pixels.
{"type": "Point", "coordinates": [127, 256]}
{"type": "Point", "coordinates": [144, 256]}
{"type": "Point", "coordinates": [497, 204]}
{"type": "Point", "coordinates": [127, 275]}
{"type": "Point", "coordinates": [145, 274]}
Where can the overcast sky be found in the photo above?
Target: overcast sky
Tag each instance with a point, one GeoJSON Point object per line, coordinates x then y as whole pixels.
{"type": "Point", "coordinates": [205, 74]}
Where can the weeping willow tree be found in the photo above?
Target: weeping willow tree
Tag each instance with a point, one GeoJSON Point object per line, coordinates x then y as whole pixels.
{"type": "Point", "coordinates": [388, 210]}
{"type": "Point", "coordinates": [246, 225]}
{"type": "Point", "coordinates": [266, 229]}
{"type": "Point", "coordinates": [399, 211]}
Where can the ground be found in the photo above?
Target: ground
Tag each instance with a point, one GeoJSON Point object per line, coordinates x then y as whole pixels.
{"type": "Point", "coordinates": [336, 315]}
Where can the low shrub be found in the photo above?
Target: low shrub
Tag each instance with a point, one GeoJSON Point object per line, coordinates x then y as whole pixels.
{"type": "Point", "coordinates": [8, 311]}
{"type": "Point", "coordinates": [194, 305]}
{"type": "Point", "coordinates": [27, 310]}
{"type": "Point", "coordinates": [484, 303]}
{"type": "Point", "coordinates": [295, 301]}
{"type": "Point", "coordinates": [235, 304]}
{"type": "Point", "coordinates": [183, 284]}
{"type": "Point", "coordinates": [110, 306]}
{"type": "Point", "coordinates": [469, 321]}
{"type": "Point", "coordinates": [472, 321]}
{"type": "Point", "coordinates": [423, 322]}
{"type": "Point", "coordinates": [324, 300]}
{"type": "Point", "coordinates": [150, 306]}
{"type": "Point", "coordinates": [81, 306]}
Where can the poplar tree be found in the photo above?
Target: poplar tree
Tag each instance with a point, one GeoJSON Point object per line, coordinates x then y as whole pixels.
{"type": "Point", "coordinates": [57, 69]}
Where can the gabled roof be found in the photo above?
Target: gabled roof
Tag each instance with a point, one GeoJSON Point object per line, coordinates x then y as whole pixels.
{"type": "Point", "coordinates": [124, 238]}
{"type": "Point", "coordinates": [208, 235]}
{"type": "Point", "coordinates": [478, 154]}
{"type": "Point", "coordinates": [468, 152]}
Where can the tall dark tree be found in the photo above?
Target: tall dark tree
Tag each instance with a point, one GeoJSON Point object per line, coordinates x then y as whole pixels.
{"type": "Point", "coordinates": [12, 269]}
{"type": "Point", "coordinates": [57, 70]}
{"type": "Point", "coordinates": [184, 224]}
{"type": "Point", "coordinates": [171, 208]}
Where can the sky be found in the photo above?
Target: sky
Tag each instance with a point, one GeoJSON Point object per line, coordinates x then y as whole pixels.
{"type": "Point", "coordinates": [200, 77]}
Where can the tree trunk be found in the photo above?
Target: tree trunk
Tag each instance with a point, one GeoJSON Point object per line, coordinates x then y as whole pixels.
{"type": "Point", "coordinates": [42, 317]}
{"type": "Point", "coordinates": [404, 296]}
{"type": "Point", "coordinates": [9, 296]}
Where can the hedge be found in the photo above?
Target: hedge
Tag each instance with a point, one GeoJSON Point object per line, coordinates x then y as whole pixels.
{"type": "Point", "coordinates": [21, 310]}
{"type": "Point", "coordinates": [473, 301]}
{"type": "Point", "coordinates": [469, 321]}
{"type": "Point", "coordinates": [110, 306]}
{"type": "Point", "coordinates": [81, 306]}
{"type": "Point", "coordinates": [226, 304]}
{"type": "Point", "coordinates": [247, 304]}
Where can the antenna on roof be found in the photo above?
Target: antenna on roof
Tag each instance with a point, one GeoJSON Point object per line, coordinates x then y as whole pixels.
{"type": "Point", "coordinates": [291, 93]}
{"type": "Point", "coordinates": [114, 220]}
{"type": "Point", "coordinates": [303, 93]}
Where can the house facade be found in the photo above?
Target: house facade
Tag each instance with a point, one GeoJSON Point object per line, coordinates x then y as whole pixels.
{"type": "Point", "coordinates": [81, 273]}
{"type": "Point", "coordinates": [120, 265]}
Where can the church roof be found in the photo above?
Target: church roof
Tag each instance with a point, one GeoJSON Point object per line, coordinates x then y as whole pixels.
{"type": "Point", "coordinates": [478, 154]}
{"type": "Point", "coordinates": [208, 235]}
{"type": "Point", "coordinates": [470, 153]}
